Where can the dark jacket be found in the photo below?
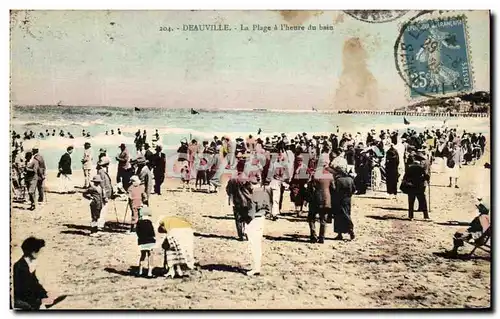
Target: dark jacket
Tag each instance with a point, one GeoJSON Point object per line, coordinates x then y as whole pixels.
{"type": "Point", "coordinates": [239, 192]}
{"type": "Point", "coordinates": [261, 203]}
{"type": "Point", "coordinates": [349, 156]}
{"type": "Point", "coordinates": [148, 155]}
{"type": "Point", "coordinates": [27, 289]}
{"type": "Point", "coordinates": [392, 159]}
{"type": "Point", "coordinates": [159, 163]}
{"type": "Point", "coordinates": [65, 164]}
{"type": "Point", "coordinates": [145, 232]}
{"type": "Point", "coordinates": [416, 176]}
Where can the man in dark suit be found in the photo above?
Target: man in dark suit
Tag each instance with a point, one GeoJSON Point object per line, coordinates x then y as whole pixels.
{"type": "Point", "coordinates": [148, 155]}
{"type": "Point", "coordinates": [65, 171]}
{"type": "Point", "coordinates": [159, 166]}
{"type": "Point", "coordinates": [29, 294]}
{"type": "Point", "coordinates": [40, 173]}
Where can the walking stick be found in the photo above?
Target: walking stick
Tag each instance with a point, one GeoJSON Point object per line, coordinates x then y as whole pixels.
{"type": "Point", "coordinates": [429, 208]}
{"type": "Point", "coordinates": [116, 214]}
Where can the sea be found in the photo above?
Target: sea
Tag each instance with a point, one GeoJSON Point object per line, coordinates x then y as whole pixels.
{"type": "Point", "coordinates": [174, 125]}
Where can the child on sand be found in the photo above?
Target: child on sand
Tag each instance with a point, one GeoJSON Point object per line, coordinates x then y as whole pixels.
{"type": "Point", "coordinates": [145, 239]}
{"type": "Point", "coordinates": [137, 196]}
{"type": "Point", "coordinates": [185, 176]}
{"type": "Point", "coordinates": [98, 199]}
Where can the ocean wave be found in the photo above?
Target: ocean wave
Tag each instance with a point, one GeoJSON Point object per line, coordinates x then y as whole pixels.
{"type": "Point", "coordinates": [57, 142]}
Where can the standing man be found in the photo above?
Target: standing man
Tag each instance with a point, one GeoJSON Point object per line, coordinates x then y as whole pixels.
{"type": "Point", "coordinates": [40, 172]}
{"type": "Point", "coordinates": [255, 220]}
{"type": "Point", "coordinates": [192, 151]}
{"type": "Point", "coordinates": [123, 174]}
{"type": "Point", "coordinates": [415, 183]}
{"type": "Point", "coordinates": [31, 178]}
{"type": "Point", "coordinates": [278, 173]}
{"type": "Point", "coordinates": [148, 155]}
{"type": "Point", "coordinates": [350, 158]}
{"type": "Point", "coordinates": [392, 171]}
{"type": "Point", "coordinates": [65, 171]}
{"type": "Point", "coordinates": [454, 163]}
{"type": "Point", "coordinates": [145, 177]}
{"type": "Point", "coordinates": [102, 172]}
{"type": "Point", "coordinates": [482, 142]}
{"type": "Point", "coordinates": [87, 164]}
{"type": "Point", "coordinates": [239, 193]}
{"type": "Point", "coordinates": [159, 168]}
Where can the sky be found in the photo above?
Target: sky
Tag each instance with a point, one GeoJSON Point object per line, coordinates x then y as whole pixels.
{"type": "Point", "coordinates": [121, 58]}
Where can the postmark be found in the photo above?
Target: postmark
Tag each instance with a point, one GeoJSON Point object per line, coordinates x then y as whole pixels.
{"type": "Point", "coordinates": [432, 56]}
{"type": "Point", "coordinates": [376, 16]}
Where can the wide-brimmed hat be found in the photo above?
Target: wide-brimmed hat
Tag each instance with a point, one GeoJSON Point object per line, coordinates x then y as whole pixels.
{"type": "Point", "coordinates": [135, 178]}
{"type": "Point", "coordinates": [102, 150]}
{"type": "Point", "coordinates": [97, 179]}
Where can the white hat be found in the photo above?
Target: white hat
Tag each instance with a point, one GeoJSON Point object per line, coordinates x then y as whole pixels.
{"type": "Point", "coordinates": [135, 178]}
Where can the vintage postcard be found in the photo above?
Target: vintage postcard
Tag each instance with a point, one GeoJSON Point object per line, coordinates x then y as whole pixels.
{"type": "Point", "coordinates": [250, 159]}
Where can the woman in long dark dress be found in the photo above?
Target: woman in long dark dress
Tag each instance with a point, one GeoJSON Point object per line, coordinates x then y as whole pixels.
{"type": "Point", "coordinates": [341, 202]}
{"type": "Point", "coordinates": [297, 185]}
{"type": "Point", "coordinates": [391, 170]}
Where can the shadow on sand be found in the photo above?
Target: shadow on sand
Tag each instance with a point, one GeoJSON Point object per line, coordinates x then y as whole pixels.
{"type": "Point", "coordinates": [454, 223]}
{"type": "Point", "coordinates": [219, 217]}
{"type": "Point", "coordinates": [400, 209]}
{"type": "Point", "coordinates": [221, 267]}
{"type": "Point", "coordinates": [215, 236]}
{"type": "Point", "coordinates": [387, 217]}
{"type": "Point", "coordinates": [20, 207]}
{"type": "Point", "coordinates": [109, 227]}
{"type": "Point", "coordinates": [295, 238]}
{"type": "Point", "coordinates": [372, 197]}
{"type": "Point", "coordinates": [75, 232]}
{"type": "Point", "coordinates": [464, 257]}
{"type": "Point", "coordinates": [132, 271]}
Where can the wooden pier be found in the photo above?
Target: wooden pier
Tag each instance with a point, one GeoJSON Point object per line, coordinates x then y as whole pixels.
{"type": "Point", "coordinates": [414, 113]}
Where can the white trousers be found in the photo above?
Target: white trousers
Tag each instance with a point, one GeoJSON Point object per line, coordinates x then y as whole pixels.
{"type": "Point", "coordinates": [275, 187]}
{"type": "Point", "coordinates": [65, 183]}
{"type": "Point", "coordinates": [255, 231]}
{"type": "Point", "coordinates": [102, 218]}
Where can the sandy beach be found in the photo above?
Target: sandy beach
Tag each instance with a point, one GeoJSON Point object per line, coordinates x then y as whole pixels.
{"type": "Point", "coordinates": [391, 263]}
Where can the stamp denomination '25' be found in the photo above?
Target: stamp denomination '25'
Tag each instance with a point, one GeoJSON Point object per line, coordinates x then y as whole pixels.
{"type": "Point", "coordinates": [434, 57]}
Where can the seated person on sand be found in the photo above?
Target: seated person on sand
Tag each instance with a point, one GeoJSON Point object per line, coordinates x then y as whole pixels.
{"type": "Point", "coordinates": [477, 227]}
{"type": "Point", "coordinates": [178, 244]}
{"type": "Point", "coordinates": [29, 294]}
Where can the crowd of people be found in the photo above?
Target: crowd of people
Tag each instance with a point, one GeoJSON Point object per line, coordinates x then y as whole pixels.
{"type": "Point", "coordinates": [322, 172]}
